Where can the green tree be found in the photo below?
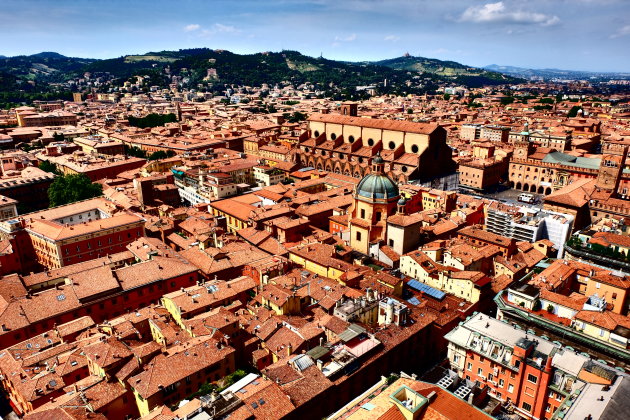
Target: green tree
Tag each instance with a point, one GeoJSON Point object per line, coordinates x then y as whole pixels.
{"type": "Point", "coordinates": [71, 188]}
{"type": "Point", "coordinates": [151, 120]}
{"type": "Point", "coordinates": [297, 117]}
{"type": "Point", "coordinates": [58, 137]}
{"type": "Point", "coordinates": [160, 154]}
{"type": "Point", "coordinates": [506, 100]}
{"type": "Point", "coordinates": [573, 111]}
{"type": "Point", "coordinates": [447, 96]}
{"type": "Point", "coordinates": [49, 167]}
{"type": "Point", "coordinates": [135, 152]}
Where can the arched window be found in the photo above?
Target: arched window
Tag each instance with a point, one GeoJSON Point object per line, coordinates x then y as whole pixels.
{"type": "Point", "coordinates": [392, 145]}
{"type": "Point", "coordinates": [414, 148]}
{"type": "Point", "coordinates": [333, 136]}
{"type": "Point", "coordinates": [370, 142]}
{"type": "Point", "coordinates": [316, 133]}
{"type": "Point", "coordinates": [351, 139]}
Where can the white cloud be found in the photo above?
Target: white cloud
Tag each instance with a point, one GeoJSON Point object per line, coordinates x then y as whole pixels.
{"type": "Point", "coordinates": [348, 38]}
{"type": "Point", "coordinates": [214, 29]}
{"type": "Point", "coordinates": [392, 38]}
{"type": "Point", "coordinates": [623, 31]}
{"type": "Point", "coordinates": [498, 12]}
{"type": "Point", "coordinates": [219, 27]}
{"type": "Point", "coordinates": [192, 27]}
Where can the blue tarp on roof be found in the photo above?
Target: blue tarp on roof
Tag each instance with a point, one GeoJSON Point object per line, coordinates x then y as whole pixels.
{"type": "Point", "coordinates": [414, 301]}
{"type": "Point", "coordinates": [421, 287]}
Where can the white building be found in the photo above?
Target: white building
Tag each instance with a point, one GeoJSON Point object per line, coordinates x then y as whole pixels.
{"type": "Point", "coordinates": [530, 224]}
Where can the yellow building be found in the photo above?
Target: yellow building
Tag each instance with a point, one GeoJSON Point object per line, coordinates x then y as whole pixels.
{"type": "Point", "coordinates": [375, 199]}
{"type": "Point", "coordinates": [318, 258]}
{"type": "Point", "coordinates": [235, 211]}
{"type": "Point", "coordinates": [606, 326]}
{"type": "Point", "coordinates": [468, 285]}
{"type": "Point", "coordinates": [280, 300]}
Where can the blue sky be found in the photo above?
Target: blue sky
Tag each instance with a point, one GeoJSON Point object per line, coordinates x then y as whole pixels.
{"type": "Point", "coordinates": [568, 34]}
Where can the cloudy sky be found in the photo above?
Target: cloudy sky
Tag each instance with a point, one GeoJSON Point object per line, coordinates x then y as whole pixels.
{"type": "Point", "coordinates": [567, 34]}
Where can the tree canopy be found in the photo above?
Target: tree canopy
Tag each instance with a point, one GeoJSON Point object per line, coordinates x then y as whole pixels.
{"type": "Point", "coordinates": [135, 152]}
{"type": "Point", "coordinates": [152, 120]}
{"type": "Point", "coordinates": [68, 189]}
{"type": "Point", "coordinates": [161, 154]}
{"type": "Point", "coordinates": [574, 111]}
{"type": "Point", "coordinates": [48, 167]}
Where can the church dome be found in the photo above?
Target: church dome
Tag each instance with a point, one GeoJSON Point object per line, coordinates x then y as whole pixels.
{"type": "Point", "coordinates": [377, 186]}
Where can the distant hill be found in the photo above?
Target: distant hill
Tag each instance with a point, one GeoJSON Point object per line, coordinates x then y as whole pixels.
{"type": "Point", "coordinates": [44, 66]}
{"type": "Point", "coordinates": [467, 75]}
{"type": "Point", "coordinates": [46, 72]}
{"type": "Point", "coordinates": [548, 74]}
{"type": "Point", "coordinates": [249, 69]}
{"type": "Point", "coordinates": [274, 67]}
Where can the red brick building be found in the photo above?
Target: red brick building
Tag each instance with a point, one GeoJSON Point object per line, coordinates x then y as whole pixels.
{"type": "Point", "coordinates": [528, 373]}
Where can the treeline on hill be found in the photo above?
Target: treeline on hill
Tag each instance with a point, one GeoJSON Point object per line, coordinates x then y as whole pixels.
{"type": "Point", "coordinates": [272, 68]}
{"type": "Point", "coordinates": [152, 120]}
{"type": "Point", "coordinates": [26, 78]}
{"type": "Point", "coordinates": [14, 92]}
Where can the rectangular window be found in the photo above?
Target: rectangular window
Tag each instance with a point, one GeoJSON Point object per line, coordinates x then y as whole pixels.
{"type": "Point", "coordinates": [501, 383]}
{"type": "Point", "coordinates": [469, 366]}
{"type": "Point", "coordinates": [510, 388]}
{"type": "Point", "coordinates": [358, 236]}
{"type": "Point", "coordinates": [527, 407]}
{"type": "Point", "coordinates": [479, 371]}
{"type": "Point", "coordinates": [531, 378]}
{"type": "Point", "coordinates": [362, 213]}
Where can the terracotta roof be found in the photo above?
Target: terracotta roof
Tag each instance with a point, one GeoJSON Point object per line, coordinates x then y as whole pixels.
{"type": "Point", "coordinates": [165, 370]}
{"type": "Point", "coordinates": [393, 125]}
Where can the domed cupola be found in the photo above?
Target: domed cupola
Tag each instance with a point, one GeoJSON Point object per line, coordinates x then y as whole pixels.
{"type": "Point", "coordinates": [377, 186]}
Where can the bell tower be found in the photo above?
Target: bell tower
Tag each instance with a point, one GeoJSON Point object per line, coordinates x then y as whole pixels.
{"type": "Point", "coordinates": [609, 172]}
{"type": "Point", "coordinates": [349, 109]}
{"type": "Point", "coordinates": [522, 149]}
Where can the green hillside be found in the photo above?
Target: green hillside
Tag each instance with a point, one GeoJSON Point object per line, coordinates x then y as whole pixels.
{"type": "Point", "coordinates": [46, 72]}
